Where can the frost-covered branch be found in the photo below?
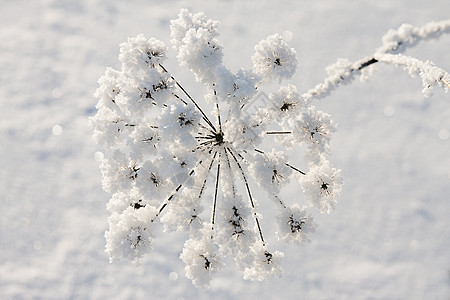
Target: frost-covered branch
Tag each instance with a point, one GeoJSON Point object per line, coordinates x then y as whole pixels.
{"type": "Point", "coordinates": [394, 42]}
{"type": "Point", "coordinates": [430, 74]}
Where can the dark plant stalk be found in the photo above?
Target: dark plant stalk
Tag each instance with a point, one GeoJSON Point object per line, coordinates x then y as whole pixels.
{"type": "Point", "coordinates": [289, 165]}
{"type": "Point", "coordinates": [215, 196]}
{"type": "Point", "coordinates": [218, 110]}
{"type": "Point", "coordinates": [165, 203]}
{"type": "Point", "coordinates": [278, 132]}
{"type": "Point", "coordinates": [249, 194]}
{"type": "Point", "coordinates": [207, 174]}
{"type": "Point", "coordinates": [231, 173]}
{"type": "Point", "coordinates": [190, 98]}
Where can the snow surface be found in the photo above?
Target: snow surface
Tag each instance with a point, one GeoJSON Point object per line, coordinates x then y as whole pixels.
{"type": "Point", "coordinates": [389, 237]}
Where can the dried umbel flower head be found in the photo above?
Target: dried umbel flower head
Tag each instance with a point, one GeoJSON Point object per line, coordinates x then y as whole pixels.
{"type": "Point", "coordinates": [167, 153]}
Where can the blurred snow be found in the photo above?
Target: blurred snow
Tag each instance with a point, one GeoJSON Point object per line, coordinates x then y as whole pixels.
{"type": "Point", "coordinates": [389, 236]}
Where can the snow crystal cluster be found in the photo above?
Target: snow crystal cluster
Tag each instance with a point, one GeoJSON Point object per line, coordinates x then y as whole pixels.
{"type": "Point", "coordinates": [170, 161]}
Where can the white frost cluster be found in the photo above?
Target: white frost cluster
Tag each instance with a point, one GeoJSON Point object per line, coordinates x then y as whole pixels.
{"type": "Point", "coordinates": [130, 233]}
{"type": "Point", "coordinates": [264, 265]}
{"type": "Point", "coordinates": [274, 59]}
{"type": "Point", "coordinates": [295, 225]}
{"type": "Point", "coordinates": [201, 258]}
{"type": "Point", "coordinates": [172, 162]}
{"type": "Point", "coordinates": [321, 186]}
{"type": "Point", "coordinates": [194, 36]}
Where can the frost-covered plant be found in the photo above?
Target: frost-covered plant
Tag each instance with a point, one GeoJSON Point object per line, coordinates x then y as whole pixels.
{"type": "Point", "coordinates": [165, 150]}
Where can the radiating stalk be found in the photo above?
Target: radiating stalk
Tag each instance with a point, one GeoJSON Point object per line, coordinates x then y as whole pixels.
{"type": "Point", "coordinates": [249, 194]}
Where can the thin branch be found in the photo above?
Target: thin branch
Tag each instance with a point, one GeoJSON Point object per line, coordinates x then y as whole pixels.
{"type": "Point", "coordinates": [202, 146]}
{"type": "Point", "coordinates": [207, 137]}
{"type": "Point", "coordinates": [366, 63]}
{"type": "Point", "coordinates": [190, 98]}
{"type": "Point", "coordinates": [215, 196]}
{"type": "Point", "coordinates": [289, 165]}
{"type": "Point", "coordinates": [179, 98]}
{"type": "Point", "coordinates": [330, 83]}
{"type": "Point", "coordinates": [206, 177]}
{"type": "Point", "coordinates": [208, 142]}
{"type": "Point", "coordinates": [295, 169]}
{"type": "Point", "coordinates": [165, 203]}
{"type": "Point", "coordinates": [231, 175]}
{"type": "Point", "coordinates": [417, 34]}
{"type": "Point", "coordinates": [206, 128]}
{"type": "Point", "coordinates": [249, 195]}
{"type": "Point", "coordinates": [218, 116]}
{"type": "Point", "coordinates": [278, 132]}
{"type": "Point", "coordinates": [218, 110]}
{"type": "Point", "coordinates": [279, 201]}
{"type": "Point", "coordinates": [426, 69]}
{"type": "Point", "coordinates": [445, 82]}
{"type": "Point", "coordinates": [204, 183]}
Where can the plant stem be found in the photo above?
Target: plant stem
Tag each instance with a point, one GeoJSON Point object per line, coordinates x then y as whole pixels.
{"type": "Point", "coordinates": [165, 203]}
{"type": "Point", "coordinates": [249, 195]}
{"type": "Point", "coordinates": [289, 165]}
{"type": "Point", "coordinates": [190, 98]}
{"type": "Point", "coordinates": [278, 132]}
{"type": "Point", "coordinates": [215, 196]}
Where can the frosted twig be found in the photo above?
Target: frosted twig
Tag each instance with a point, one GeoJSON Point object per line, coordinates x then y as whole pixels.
{"type": "Point", "coordinates": [395, 41]}
{"type": "Point", "coordinates": [430, 74]}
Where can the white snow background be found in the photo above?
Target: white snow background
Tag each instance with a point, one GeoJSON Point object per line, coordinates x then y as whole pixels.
{"type": "Point", "coordinates": [389, 237]}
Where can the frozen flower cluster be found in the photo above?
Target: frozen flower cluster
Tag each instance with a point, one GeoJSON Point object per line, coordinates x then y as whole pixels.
{"type": "Point", "coordinates": [170, 161]}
